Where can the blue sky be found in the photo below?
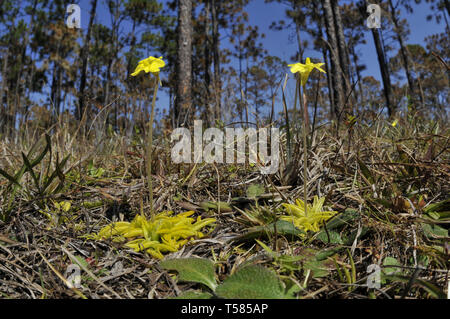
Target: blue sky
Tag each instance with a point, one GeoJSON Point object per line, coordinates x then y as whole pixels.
{"type": "Point", "coordinates": [278, 43]}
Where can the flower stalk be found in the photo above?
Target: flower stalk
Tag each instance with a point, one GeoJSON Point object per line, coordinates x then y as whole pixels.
{"type": "Point", "coordinates": [150, 65]}
{"type": "Point", "coordinates": [303, 71]}
{"type": "Point", "coordinates": [150, 143]}
{"type": "Point", "coordinates": [305, 146]}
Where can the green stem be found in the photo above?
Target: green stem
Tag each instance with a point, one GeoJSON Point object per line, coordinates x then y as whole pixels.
{"type": "Point", "coordinates": [305, 148]}
{"type": "Point", "coordinates": [297, 95]}
{"type": "Point", "coordinates": [150, 144]}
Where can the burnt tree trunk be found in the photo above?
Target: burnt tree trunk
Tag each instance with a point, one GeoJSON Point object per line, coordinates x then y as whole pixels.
{"type": "Point", "coordinates": [210, 113]}
{"type": "Point", "coordinates": [384, 71]}
{"type": "Point", "coordinates": [321, 24]}
{"type": "Point", "coordinates": [342, 47]}
{"type": "Point", "coordinates": [183, 100]}
{"type": "Point", "coordinates": [216, 52]}
{"type": "Point", "coordinates": [338, 92]}
{"type": "Point", "coordinates": [357, 72]}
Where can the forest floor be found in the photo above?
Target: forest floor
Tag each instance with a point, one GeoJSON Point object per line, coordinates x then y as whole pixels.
{"type": "Point", "coordinates": [388, 184]}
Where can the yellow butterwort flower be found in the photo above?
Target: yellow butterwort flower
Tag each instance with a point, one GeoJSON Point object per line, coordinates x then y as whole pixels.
{"type": "Point", "coordinates": [151, 64]}
{"type": "Point", "coordinates": [315, 218]}
{"type": "Point", "coordinates": [305, 69]}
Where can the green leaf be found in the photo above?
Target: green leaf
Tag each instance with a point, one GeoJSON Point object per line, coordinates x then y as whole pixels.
{"type": "Point", "coordinates": [57, 173]}
{"type": "Point", "coordinates": [434, 215]}
{"type": "Point", "coordinates": [91, 205]}
{"type": "Point", "coordinates": [198, 270]}
{"type": "Point", "coordinates": [434, 231]}
{"type": "Point", "coordinates": [100, 172]}
{"type": "Point", "coordinates": [366, 172]}
{"type": "Point", "coordinates": [318, 268]}
{"type": "Point", "coordinates": [390, 261]}
{"type": "Point", "coordinates": [432, 289]}
{"type": "Point", "coordinates": [224, 207]}
{"type": "Point", "coordinates": [389, 272]}
{"type": "Point", "coordinates": [311, 261]}
{"type": "Point", "coordinates": [348, 240]}
{"type": "Point", "coordinates": [343, 219]}
{"type": "Point", "coordinates": [281, 227]}
{"type": "Point", "coordinates": [438, 207]}
{"type": "Point", "coordinates": [267, 249]}
{"type": "Point", "coordinates": [429, 287]}
{"type": "Point", "coordinates": [43, 153]}
{"type": "Point", "coordinates": [255, 190]}
{"type": "Point", "coordinates": [442, 216]}
{"type": "Point", "coordinates": [80, 261]}
{"type": "Point", "coordinates": [193, 294]}
{"type": "Point", "coordinates": [30, 169]}
{"type": "Point", "coordinates": [9, 177]}
{"type": "Point", "coordinates": [292, 291]}
{"type": "Point", "coordinates": [252, 282]}
{"type": "Point", "coordinates": [334, 237]}
{"type": "Point", "coordinates": [286, 262]}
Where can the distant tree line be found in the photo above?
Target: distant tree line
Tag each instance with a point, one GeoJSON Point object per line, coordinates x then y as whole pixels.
{"type": "Point", "coordinates": [217, 68]}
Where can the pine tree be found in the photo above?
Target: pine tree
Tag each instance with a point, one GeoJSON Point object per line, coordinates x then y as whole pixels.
{"type": "Point", "coordinates": [183, 100]}
{"type": "Point", "coordinates": [84, 61]}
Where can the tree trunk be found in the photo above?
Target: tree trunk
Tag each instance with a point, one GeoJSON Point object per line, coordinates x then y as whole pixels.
{"type": "Point", "coordinates": [321, 24]}
{"type": "Point", "coordinates": [59, 80]}
{"type": "Point", "coordinates": [384, 71]}
{"type": "Point", "coordinates": [334, 57]}
{"type": "Point", "coordinates": [342, 47]}
{"type": "Point", "coordinates": [358, 73]}
{"type": "Point", "coordinates": [217, 76]}
{"type": "Point", "coordinates": [403, 52]}
{"type": "Point", "coordinates": [3, 91]}
{"type": "Point", "coordinates": [115, 25]}
{"type": "Point", "coordinates": [241, 79]}
{"type": "Point", "coordinates": [210, 114]}
{"type": "Point", "coordinates": [299, 39]}
{"type": "Point", "coordinates": [183, 100]}
{"type": "Point", "coordinates": [84, 62]}
{"type": "Point", "coordinates": [329, 83]}
{"type": "Point", "coordinates": [107, 86]}
{"type": "Point", "coordinates": [132, 48]}
{"type": "Point", "coordinates": [55, 92]}
{"type": "Point", "coordinates": [27, 40]}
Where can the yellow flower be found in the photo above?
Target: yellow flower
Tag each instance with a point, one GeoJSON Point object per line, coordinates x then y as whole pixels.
{"type": "Point", "coordinates": [351, 120]}
{"type": "Point", "coordinates": [305, 69]}
{"type": "Point", "coordinates": [161, 234]}
{"type": "Point", "coordinates": [315, 218]}
{"type": "Point", "coordinates": [394, 124]}
{"type": "Point", "coordinates": [151, 64]}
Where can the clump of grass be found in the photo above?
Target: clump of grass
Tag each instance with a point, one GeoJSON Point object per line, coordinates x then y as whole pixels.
{"type": "Point", "coordinates": [45, 180]}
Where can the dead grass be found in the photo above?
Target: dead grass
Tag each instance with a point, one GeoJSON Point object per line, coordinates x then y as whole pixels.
{"type": "Point", "coordinates": [387, 175]}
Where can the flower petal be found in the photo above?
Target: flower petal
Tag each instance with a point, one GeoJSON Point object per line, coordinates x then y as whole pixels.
{"type": "Point", "coordinates": [151, 64]}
